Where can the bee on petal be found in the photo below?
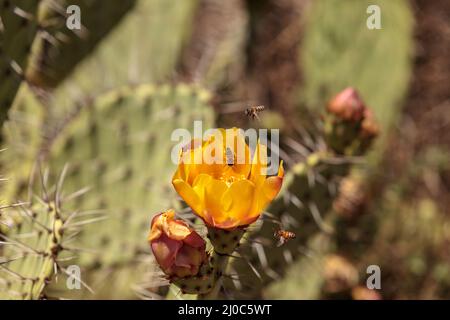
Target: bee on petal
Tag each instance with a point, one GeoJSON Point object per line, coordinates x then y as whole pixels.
{"type": "Point", "coordinates": [230, 156]}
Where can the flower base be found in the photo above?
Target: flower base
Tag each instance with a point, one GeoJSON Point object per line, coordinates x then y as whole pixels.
{"type": "Point", "coordinates": [202, 283]}
{"type": "Point", "coordinates": [225, 241]}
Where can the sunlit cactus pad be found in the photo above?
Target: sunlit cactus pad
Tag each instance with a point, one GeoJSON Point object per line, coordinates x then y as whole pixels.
{"type": "Point", "coordinates": [58, 49]}
{"type": "Point", "coordinates": [22, 136]}
{"type": "Point", "coordinates": [120, 147]}
{"type": "Point", "coordinates": [36, 247]}
{"type": "Point", "coordinates": [340, 50]}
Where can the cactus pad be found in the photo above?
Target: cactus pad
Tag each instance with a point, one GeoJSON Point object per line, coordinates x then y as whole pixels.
{"type": "Point", "coordinates": [18, 26]}
{"type": "Point", "coordinates": [32, 249]}
{"type": "Point", "coordinates": [339, 50]}
{"type": "Point", "coordinates": [120, 147]}
{"type": "Point", "coordinates": [58, 49]}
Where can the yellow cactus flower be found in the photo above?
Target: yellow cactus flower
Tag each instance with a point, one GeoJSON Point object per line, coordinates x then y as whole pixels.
{"type": "Point", "coordinates": [218, 180]}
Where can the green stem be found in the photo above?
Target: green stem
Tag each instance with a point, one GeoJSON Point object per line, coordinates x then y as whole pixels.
{"type": "Point", "coordinates": [219, 262]}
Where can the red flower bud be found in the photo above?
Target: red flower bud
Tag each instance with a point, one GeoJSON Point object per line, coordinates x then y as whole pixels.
{"type": "Point", "coordinates": [347, 105]}
{"type": "Point", "coordinates": [369, 126]}
{"type": "Point", "coordinates": [178, 249]}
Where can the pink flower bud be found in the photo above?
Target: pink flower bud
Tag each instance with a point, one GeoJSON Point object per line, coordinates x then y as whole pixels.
{"type": "Point", "coordinates": [369, 126]}
{"type": "Point", "coordinates": [178, 249]}
{"type": "Point", "coordinates": [347, 105]}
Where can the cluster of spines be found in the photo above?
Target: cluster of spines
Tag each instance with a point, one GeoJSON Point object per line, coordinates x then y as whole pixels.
{"type": "Point", "coordinates": [34, 248]}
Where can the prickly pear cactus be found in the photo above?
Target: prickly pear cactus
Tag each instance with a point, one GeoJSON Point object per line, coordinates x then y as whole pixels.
{"type": "Point", "coordinates": [22, 137]}
{"type": "Point", "coordinates": [304, 204]}
{"type": "Point", "coordinates": [120, 147]}
{"type": "Point", "coordinates": [34, 243]}
{"type": "Point", "coordinates": [58, 49]}
{"type": "Point", "coordinates": [217, 42]}
{"type": "Point", "coordinates": [18, 26]}
{"type": "Point", "coordinates": [149, 61]}
{"type": "Point", "coordinates": [333, 58]}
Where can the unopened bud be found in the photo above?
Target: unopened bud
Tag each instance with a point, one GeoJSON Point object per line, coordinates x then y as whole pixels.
{"type": "Point", "coordinates": [178, 249]}
{"type": "Point", "coordinates": [347, 105]}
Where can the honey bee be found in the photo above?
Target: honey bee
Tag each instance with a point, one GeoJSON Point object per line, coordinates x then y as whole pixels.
{"type": "Point", "coordinates": [252, 112]}
{"type": "Point", "coordinates": [283, 236]}
{"type": "Point", "coordinates": [230, 156]}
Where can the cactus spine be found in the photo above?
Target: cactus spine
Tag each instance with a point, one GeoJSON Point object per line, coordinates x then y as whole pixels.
{"type": "Point", "coordinates": [33, 247]}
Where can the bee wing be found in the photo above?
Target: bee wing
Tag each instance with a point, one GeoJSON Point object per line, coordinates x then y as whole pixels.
{"type": "Point", "coordinates": [280, 242]}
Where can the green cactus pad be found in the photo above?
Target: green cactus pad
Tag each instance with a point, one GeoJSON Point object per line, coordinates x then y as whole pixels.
{"type": "Point", "coordinates": [140, 61]}
{"type": "Point", "coordinates": [120, 146]}
{"type": "Point", "coordinates": [216, 44]}
{"type": "Point", "coordinates": [34, 249]}
{"type": "Point", "coordinates": [303, 207]}
{"type": "Point", "coordinates": [58, 49]}
{"type": "Point", "coordinates": [339, 50]}
{"type": "Point", "coordinates": [22, 137]}
{"type": "Point", "coordinates": [18, 26]}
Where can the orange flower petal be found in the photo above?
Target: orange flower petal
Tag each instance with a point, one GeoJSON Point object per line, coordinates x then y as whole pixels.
{"type": "Point", "coordinates": [199, 185]}
{"type": "Point", "coordinates": [209, 191]}
{"type": "Point", "coordinates": [281, 170]}
{"type": "Point", "coordinates": [177, 230]}
{"type": "Point", "coordinates": [259, 165]}
{"type": "Point", "coordinates": [194, 166]}
{"type": "Point", "coordinates": [189, 195]}
{"type": "Point", "coordinates": [240, 151]}
{"type": "Point", "coordinates": [237, 201]}
{"type": "Point", "coordinates": [267, 192]}
{"type": "Point", "coordinates": [215, 190]}
{"type": "Point", "coordinates": [271, 187]}
{"type": "Point", "coordinates": [213, 157]}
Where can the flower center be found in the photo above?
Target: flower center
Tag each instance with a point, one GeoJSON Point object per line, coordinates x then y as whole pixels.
{"type": "Point", "coordinates": [229, 176]}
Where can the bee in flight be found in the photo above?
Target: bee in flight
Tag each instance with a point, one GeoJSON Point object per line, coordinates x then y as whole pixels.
{"type": "Point", "coordinates": [283, 236]}
{"type": "Point", "coordinates": [230, 156]}
{"type": "Point", "coordinates": [252, 112]}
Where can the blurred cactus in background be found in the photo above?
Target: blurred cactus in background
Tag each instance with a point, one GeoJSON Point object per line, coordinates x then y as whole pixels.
{"type": "Point", "coordinates": [88, 127]}
{"type": "Point", "coordinates": [17, 32]}
{"type": "Point", "coordinates": [58, 49]}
